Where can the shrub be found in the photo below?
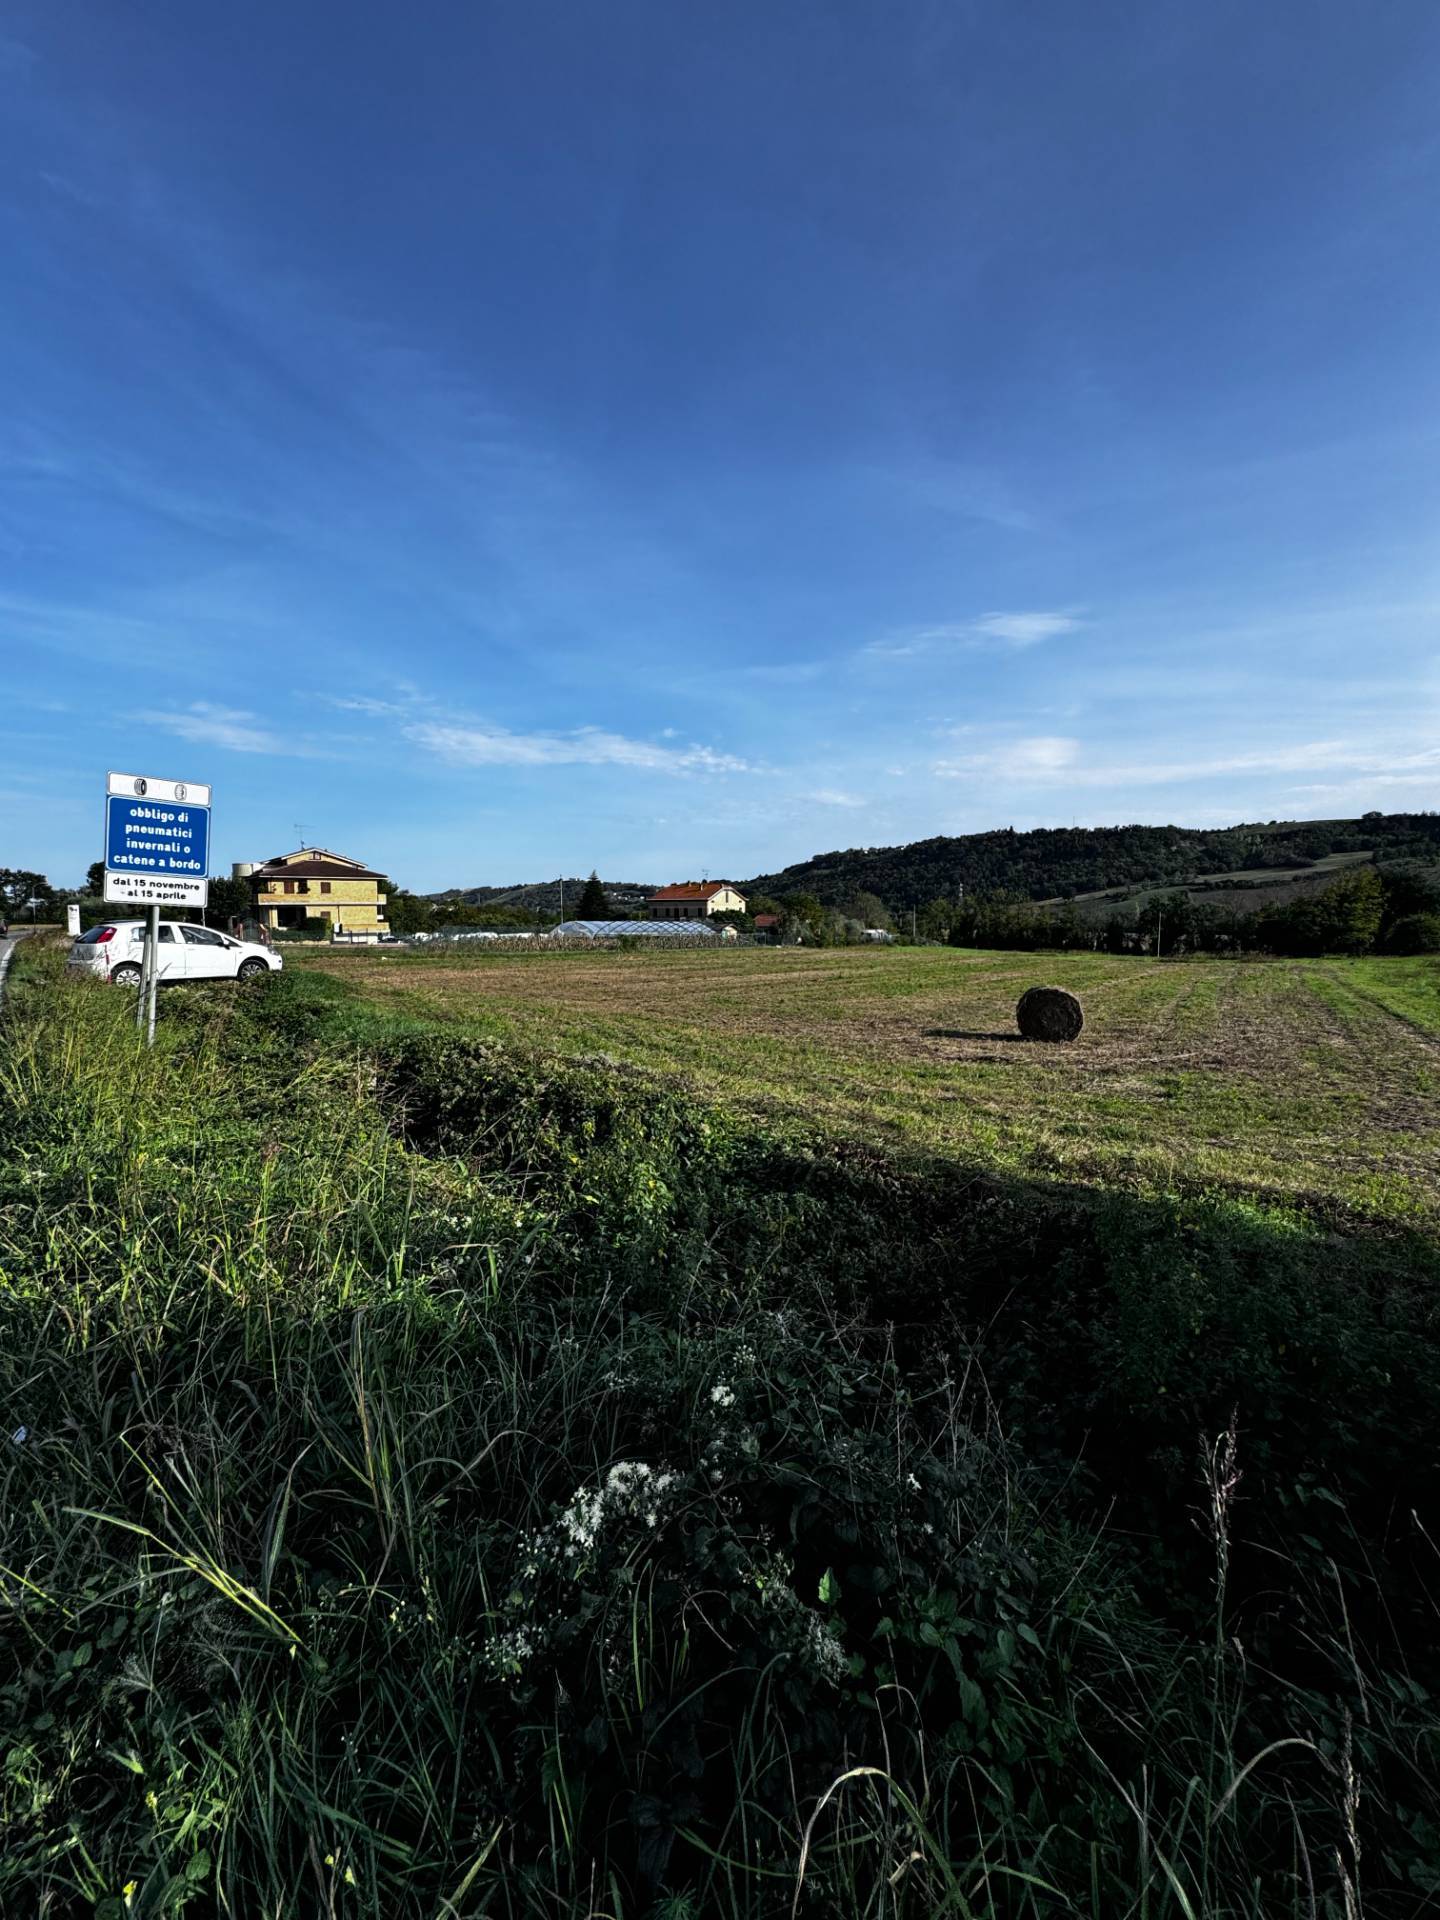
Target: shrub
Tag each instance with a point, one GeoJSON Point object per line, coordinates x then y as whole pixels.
{"type": "Point", "coordinates": [1415, 933]}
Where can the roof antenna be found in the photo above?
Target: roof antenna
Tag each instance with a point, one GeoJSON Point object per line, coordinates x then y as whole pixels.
{"type": "Point", "coordinates": [299, 826]}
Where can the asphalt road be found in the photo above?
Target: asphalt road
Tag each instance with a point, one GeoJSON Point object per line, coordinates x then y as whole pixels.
{"type": "Point", "coordinates": [7, 947]}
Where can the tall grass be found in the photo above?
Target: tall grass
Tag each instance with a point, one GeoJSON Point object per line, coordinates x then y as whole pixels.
{"type": "Point", "coordinates": [443, 1485]}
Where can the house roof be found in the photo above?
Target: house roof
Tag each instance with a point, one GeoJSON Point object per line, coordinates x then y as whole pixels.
{"type": "Point", "coordinates": [767, 919]}
{"type": "Point", "coordinates": [316, 853]}
{"type": "Point", "coordinates": [693, 890]}
{"type": "Point", "coordinates": [313, 863]}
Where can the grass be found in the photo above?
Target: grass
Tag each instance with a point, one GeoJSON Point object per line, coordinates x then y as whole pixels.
{"type": "Point", "coordinates": [1304, 1082]}
{"type": "Point", "coordinates": [443, 1480]}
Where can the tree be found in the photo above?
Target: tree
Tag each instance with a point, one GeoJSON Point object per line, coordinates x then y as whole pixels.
{"type": "Point", "coordinates": [803, 918]}
{"type": "Point", "coordinates": [95, 879]}
{"type": "Point", "coordinates": [229, 900]}
{"type": "Point", "coordinates": [412, 913]}
{"type": "Point", "coordinates": [18, 887]}
{"type": "Point", "coordinates": [936, 919]}
{"type": "Point", "coordinates": [1345, 918]}
{"type": "Point", "coordinates": [1410, 887]}
{"type": "Point", "coordinates": [1416, 933]}
{"type": "Point", "coordinates": [592, 904]}
{"type": "Point", "coordinates": [1350, 912]}
{"type": "Point", "coordinates": [872, 912]}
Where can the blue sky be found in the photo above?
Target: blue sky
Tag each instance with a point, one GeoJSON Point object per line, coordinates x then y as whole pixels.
{"type": "Point", "coordinates": [509, 438]}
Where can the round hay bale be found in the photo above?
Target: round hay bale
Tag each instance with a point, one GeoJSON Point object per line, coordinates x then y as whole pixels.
{"type": "Point", "coordinates": [1049, 1013]}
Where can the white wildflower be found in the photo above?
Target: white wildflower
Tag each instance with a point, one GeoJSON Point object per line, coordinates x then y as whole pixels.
{"type": "Point", "coordinates": [824, 1650]}
{"type": "Point", "coordinates": [632, 1489]}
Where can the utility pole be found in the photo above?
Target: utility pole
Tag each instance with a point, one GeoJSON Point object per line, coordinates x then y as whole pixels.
{"type": "Point", "coordinates": [561, 921]}
{"type": "Point", "coordinates": [1159, 925]}
{"type": "Point", "coordinates": [912, 926]}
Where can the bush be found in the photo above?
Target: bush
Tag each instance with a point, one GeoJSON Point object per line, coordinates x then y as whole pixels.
{"type": "Point", "coordinates": [1415, 933]}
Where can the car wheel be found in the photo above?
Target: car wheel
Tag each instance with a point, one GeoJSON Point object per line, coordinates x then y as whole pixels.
{"type": "Point", "coordinates": [251, 969]}
{"type": "Point", "coordinates": [127, 975]}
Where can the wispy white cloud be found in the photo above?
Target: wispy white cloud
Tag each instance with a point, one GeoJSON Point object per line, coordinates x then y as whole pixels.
{"type": "Point", "coordinates": [1059, 761]}
{"type": "Point", "coordinates": [950, 487]}
{"type": "Point", "coordinates": [1427, 777]}
{"type": "Point", "coordinates": [833, 797]}
{"type": "Point", "coordinates": [204, 724]}
{"type": "Point", "coordinates": [464, 739]}
{"type": "Point", "coordinates": [487, 746]}
{"type": "Point", "coordinates": [1015, 631]}
{"type": "Point", "coordinates": [368, 704]}
{"type": "Point", "coordinates": [1027, 629]}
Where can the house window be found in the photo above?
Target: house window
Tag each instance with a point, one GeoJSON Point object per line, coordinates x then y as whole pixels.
{"type": "Point", "coordinates": [289, 886]}
{"type": "Point", "coordinates": [324, 886]}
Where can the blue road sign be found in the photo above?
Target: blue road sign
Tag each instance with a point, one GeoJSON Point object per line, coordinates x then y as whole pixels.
{"type": "Point", "coordinates": [157, 847]}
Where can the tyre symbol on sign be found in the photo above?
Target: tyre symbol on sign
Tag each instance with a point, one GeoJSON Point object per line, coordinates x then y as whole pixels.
{"type": "Point", "coordinates": [142, 787]}
{"type": "Point", "coordinates": [180, 790]}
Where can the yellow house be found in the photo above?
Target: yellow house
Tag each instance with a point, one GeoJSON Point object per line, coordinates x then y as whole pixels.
{"type": "Point", "coordinates": [695, 900]}
{"type": "Point", "coordinates": [313, 883]}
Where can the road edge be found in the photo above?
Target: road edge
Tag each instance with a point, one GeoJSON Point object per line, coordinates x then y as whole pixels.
{"type": "Point", "coordinates": [5, 959]}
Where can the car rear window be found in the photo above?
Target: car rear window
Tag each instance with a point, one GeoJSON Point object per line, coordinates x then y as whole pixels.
{"type": "Point", "coordinates": [89, 939]}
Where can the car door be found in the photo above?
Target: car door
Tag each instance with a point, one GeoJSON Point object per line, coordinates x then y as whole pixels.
{"type": "Point", "coordinates": [208, 955]}
{"type": "Point", "coordinates": [169, 954]}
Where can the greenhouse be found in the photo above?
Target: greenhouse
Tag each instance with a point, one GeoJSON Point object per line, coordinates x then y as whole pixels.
{"type": "Point", "coordinates": [639, 930]}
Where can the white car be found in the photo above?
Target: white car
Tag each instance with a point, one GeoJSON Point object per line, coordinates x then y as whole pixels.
{"type": "Point", "coordinates": [114, 951]}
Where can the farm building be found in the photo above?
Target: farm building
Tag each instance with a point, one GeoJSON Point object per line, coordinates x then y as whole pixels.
{"type": "Point", "coordinates": [695, 900]}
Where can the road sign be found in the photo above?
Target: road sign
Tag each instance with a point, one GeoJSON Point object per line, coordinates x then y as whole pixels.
{"type": "Point", "coordinates": [157, 841]}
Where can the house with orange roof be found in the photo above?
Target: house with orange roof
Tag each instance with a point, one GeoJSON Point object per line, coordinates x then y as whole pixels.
{"type": "Point", "coordinates": [695, 900]}
{"type": "Point", "coordinates": [314, 883]}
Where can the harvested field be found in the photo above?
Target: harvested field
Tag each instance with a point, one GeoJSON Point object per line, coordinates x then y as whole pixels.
{"type": "Point", "coordinates": [1289, 1081]}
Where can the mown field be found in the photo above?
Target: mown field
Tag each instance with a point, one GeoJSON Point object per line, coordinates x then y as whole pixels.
{"type": "Point", "coordinates": [661, 1437]}
{"type": "Point", "coordinates": [1316, 1082]}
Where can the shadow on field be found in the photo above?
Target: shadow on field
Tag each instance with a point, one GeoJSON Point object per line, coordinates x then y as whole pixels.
{"type": "Point", "coordinates": [1155, 1359]}
{"type": "Point", "coordinates": [969, 1033]}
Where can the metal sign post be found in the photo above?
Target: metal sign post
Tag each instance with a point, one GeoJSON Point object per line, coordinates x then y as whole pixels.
{"type": "Point", "coordinates": [154, 945]}
{"type": "Point", "coordinates": [157, 853]}
{"type": "Point", "coordinates": [149, 977]}
{"type": "Point", "coordinates": [141, 1000]}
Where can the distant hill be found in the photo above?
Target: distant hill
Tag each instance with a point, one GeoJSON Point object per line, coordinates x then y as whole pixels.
{"type": "Point", "coordinates": [542, 896]}
{"type": "Point", "coordinates": [1055, 863]}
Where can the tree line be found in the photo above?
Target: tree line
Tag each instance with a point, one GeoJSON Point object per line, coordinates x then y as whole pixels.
{"type": "Point", "coordinates": [1061, 862]}
{"type": "Point", "coordinates": [1368, 909]}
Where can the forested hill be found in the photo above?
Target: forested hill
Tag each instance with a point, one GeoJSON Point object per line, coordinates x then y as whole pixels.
{"type": "Point", "coordinates": [1064, 861]}
{"type": "Point", "coordinates": [543, 896]}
